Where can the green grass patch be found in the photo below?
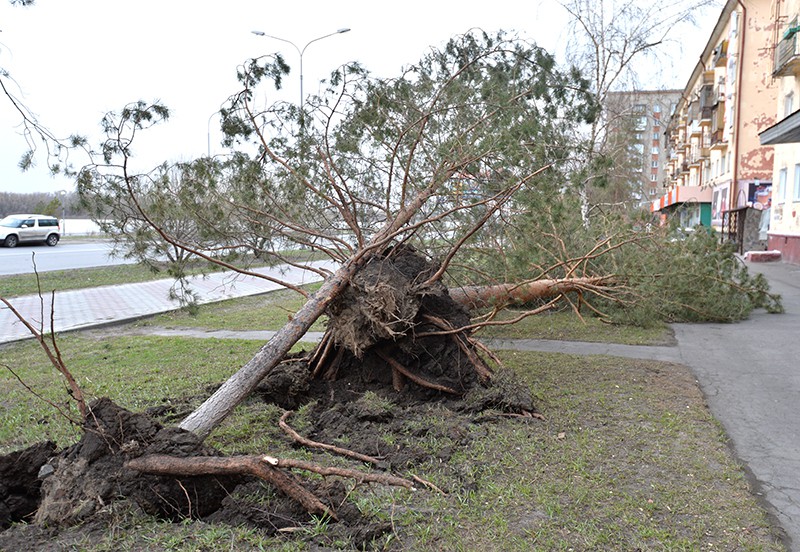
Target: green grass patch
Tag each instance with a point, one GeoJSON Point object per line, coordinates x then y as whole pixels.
{"type": "Point", "coordinates": [136, 372]}
{"type": "Point", "coordinates": [60, 280]}
{"type": "Point", "coordinates": [272, 310]}
{"type": "Point", "coordinates": [628, 456]}
{"type": "Point", "coordinates": [567, 326]}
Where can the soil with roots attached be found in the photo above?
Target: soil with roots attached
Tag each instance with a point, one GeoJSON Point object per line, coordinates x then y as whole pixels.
{"type": "Point", "coordinates": [356, 401]}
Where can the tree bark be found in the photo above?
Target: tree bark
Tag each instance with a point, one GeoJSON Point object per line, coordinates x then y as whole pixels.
{"type": "Point", "coordinates": [259, 466]}
{"type": "Point", "coordinates": [267, 468]}
{"type": "Point", "coordinates": [478, 297]}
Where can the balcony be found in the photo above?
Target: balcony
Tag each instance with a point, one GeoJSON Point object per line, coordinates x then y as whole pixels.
{"type": "Point", "coordinates": [718, 94]}
{"type": "Point", "coordinates": [717, 140]}
{"type": "Point", "coordinates": [708, 99]}
{"type": "Point", "coordinates": [787, 56]}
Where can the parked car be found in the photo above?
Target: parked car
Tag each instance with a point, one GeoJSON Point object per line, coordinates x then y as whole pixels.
{"type": "Point", "coordinates": [16, 229]}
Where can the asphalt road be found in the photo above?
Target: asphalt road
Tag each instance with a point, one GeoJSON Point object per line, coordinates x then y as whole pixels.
{"type": "Point", "coordinates": [66, 255]}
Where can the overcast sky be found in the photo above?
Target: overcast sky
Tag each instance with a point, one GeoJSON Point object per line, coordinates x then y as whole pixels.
{"type": "Point", "coordinates": [74, 60]}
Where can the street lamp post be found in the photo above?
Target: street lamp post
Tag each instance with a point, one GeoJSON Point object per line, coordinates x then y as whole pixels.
{"type": "Point", "coordinates": [208, 131]}
{"type": "Point", "coordinates": [63, 194]}
{"type": "Point", "coordinates": [300, 53]}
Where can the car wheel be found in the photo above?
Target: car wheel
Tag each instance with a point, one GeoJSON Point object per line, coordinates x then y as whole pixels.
{"type": "Point", "coordinates": [52, 239]}
{"type": "Point", "coordinates": [11, 241]}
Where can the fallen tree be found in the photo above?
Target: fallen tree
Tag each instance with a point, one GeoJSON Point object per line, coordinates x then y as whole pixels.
{"type": "Point", "coordinates": [368, 174]}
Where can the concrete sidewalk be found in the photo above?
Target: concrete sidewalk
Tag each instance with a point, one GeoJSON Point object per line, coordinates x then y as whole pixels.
{"type": "Point", "coordinates": [91, 307]}
{"type": "Point", "coordinates": [750, 375]}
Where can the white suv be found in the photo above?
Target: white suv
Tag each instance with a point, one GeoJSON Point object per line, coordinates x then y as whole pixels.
{"type": "Point", "coordinates": [16, 229]}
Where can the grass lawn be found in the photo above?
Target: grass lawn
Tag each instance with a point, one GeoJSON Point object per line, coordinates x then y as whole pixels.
{"type": "Point", "coordinates": [627, 457]}
{"type": "Point", "coordinates": [25, 284]}
{"type": "Point", "coordinates": [269, 311]}
{"type": "Point", "coordinates": [565, 325]}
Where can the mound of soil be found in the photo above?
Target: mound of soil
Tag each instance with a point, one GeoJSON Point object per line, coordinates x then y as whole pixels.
{"type": "Point", "coordinates": [391, 318]}
{"type": "Point", "coordinates": [91, 474]}
{"type": "Point", "coordinates": [20, 484]}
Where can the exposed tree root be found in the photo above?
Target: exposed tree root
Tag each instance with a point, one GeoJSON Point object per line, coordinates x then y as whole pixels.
{"type": "Point", "coordinates": [323, 446]}
{"type": "Point", "coordinates": [263, 467]}
{"type": "Point", "coordinates": [466, 344]}
{"type": "Point", "coordinates": [398, 368]}
{"type": "Point", "coordinates": [267, 468]}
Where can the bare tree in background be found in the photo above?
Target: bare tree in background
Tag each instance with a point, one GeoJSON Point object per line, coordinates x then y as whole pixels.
{"type": "Point", "coordinates": [612, 42]}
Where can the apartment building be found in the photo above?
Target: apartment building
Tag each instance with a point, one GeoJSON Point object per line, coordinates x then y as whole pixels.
{"type": "Point", "coordinates": [717, 167]}
{"type": "Point", "coordinates": [640, 116]}
{"type": "Point", "coordinates": [784, 231]}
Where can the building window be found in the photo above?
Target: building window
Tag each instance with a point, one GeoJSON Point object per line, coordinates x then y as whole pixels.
{"type": "Point", "coordinates": [656, 108]}
{"type": "Point", "coordinates": [796, 196]}
{"type": "Point", "coordinates": [788, 104]}
{"type": "Point", "coordinates": [655, 137]}
{"type": "Point", "coordinates": [654, 164]}
{"type": "Point", "coordinates": [653, 177]}
{"type": "Point", "coordinates": [782, 185]}
{"type": "Point", "coordinates": [655, 150]}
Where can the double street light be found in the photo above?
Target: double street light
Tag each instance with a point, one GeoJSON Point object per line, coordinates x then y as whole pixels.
{"type": "Point", "coordinates": [300, 52]}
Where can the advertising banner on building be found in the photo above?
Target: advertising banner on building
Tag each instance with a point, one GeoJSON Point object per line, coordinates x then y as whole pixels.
{"type": "Point", "coordinates": [719, 203]}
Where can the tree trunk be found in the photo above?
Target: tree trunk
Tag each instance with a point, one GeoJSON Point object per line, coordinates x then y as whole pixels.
{"type": "Point", "coordinates": [478, 297]}
{"type": "Point", "coordinates": [217, 407]}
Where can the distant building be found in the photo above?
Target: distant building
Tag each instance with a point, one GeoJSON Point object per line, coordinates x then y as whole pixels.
{"type": "Point", "coordinates": [784, 227]}
{"type": "Point", "coordinates": [640, 117]}
{"type": "Point", "coordinates": [715, 156]}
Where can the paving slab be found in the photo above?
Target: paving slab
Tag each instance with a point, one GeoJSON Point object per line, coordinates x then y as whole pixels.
{"type": "Point", "coordinates": [92, 307]}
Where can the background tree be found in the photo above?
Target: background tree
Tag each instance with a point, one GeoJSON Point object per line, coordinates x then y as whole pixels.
{"type": "Point", "coordinates": [41, 202]}
{"type": "Point", "coordinates": [616, 44]}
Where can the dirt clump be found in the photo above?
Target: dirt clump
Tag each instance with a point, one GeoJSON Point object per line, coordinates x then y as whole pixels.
{"type": "Point", "coordinates": [20, 484]}
{"type": "Point", "coordinates": [89, 481]}
{"type": "Point", "coordinates": [91, 474]}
